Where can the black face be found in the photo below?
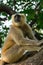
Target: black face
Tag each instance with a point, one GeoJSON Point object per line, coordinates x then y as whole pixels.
{"type": "Point", "coordinates": [17, 18]}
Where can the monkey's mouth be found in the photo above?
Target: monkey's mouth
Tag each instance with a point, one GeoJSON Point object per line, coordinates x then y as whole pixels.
{"type": "Point", "coordinates": [17, 18]}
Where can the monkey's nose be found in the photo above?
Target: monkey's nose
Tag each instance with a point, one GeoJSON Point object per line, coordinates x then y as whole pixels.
{"type": "Point", "coordinates": [17, 17]}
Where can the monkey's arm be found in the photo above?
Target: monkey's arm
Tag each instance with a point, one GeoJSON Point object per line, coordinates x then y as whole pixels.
{"type": "Point", "coordinates": [18, 37]}
{"type": "Point", "coordinates": [29, 32]}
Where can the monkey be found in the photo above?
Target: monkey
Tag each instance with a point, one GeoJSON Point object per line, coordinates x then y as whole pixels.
{"type": "Point", "coordinates": [19, 39]}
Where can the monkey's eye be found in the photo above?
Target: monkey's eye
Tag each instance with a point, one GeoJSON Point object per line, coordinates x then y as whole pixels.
{"type": "Point", "coordinates": [17, 18]}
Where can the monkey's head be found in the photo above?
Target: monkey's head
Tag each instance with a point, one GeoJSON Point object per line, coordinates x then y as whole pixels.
{"type": "Point", "coordinates": [18, 19]}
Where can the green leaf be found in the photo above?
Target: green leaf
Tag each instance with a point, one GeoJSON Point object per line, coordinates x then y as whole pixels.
{"type": "Point", "coordinates": [4, 14]}
{"type": "Point", "coordinates": [41, 3]}
{"type": "Point", "coordinates": [40, 20]}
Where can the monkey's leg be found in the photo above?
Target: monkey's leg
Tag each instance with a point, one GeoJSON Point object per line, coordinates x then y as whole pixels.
{"type": "Point", "coordinates": [2, 62]}
{"type": "Point", "coordinates": [13, 54]}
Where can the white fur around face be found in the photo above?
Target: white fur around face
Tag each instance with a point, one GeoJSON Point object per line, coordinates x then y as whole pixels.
{"type": "Point", "coordinates": [23, 20]}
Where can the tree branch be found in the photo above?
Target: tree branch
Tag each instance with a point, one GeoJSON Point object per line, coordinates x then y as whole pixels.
{"type": "Point", "coordinates": [37, 6]}
{"type": "Point", "coordinates": [7, 9]}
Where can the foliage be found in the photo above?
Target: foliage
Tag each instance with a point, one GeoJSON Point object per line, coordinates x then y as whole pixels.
{"type": "Point", "coordinates": [33, 9]}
